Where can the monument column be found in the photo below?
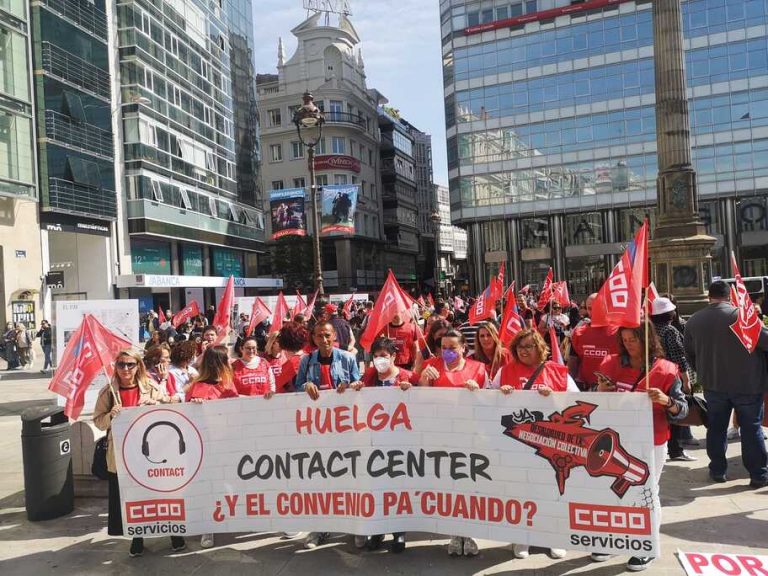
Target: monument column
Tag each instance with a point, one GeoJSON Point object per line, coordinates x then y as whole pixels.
{"type": "Point", "coordinates": [680, 249]}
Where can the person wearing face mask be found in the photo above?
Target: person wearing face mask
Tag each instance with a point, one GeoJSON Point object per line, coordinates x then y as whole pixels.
{"type": "Point", "coordinates": [405, 336]}
{"type": "Point", "coordinates": [384, 372]}
{"type": "Point", "coordinates": [452, 370]}
{"type": "Point", "coordinates": [435, 331]}
{"type": "Point", "coordinates": [251, 374]}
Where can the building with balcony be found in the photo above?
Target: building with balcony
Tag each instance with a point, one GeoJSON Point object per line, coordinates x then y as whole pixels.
{"type": "Point", "coordinates": [328, 63]}
{"type": "Point", "coordinates": [452, 247]}
{"type": "Point", "coordinates": [75, 147]}
{"type": "Point", "coordinates": [21, 268]}
{"type": "Point", "coordinates": [189, 145]}
{"type": "Point", "coordinates": [551, 131]}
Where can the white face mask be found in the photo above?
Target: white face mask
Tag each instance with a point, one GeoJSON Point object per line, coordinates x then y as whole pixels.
{"type": "Point", "coordinates": [382, 364]}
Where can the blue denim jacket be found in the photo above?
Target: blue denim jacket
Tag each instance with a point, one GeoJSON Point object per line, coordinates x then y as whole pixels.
{"type": "Point", "coordinates": [344, 368]}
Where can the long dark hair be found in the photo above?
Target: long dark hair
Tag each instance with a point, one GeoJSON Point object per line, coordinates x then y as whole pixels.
{"type": "Point", "coordinates": [655, 349]}
{"type": "Point", "coordinates": [214, 368]}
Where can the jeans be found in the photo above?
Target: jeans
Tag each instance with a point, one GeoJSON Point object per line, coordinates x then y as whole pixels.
{"type": "Point", "coordinates": [749, 410]}
{"type": "Point", "coordinates": [47, 353]}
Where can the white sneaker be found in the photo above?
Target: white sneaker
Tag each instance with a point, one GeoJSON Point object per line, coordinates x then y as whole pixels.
{"type": "Point", "coordinates": [316, 539]}
{"type": "Point", "coordinates": [520, 551]}
{"type": "Point", "coordinates": [733, 434]}
{"type": "Point", "coordinates": [290, 534]}
{"type": "Point", "coordinates": [470, 547]}
{"type": "Point", "coordinates": [557, 553]}
{"type": "Point", "coordinates": [456, 546]}
{"type": "Point", "coordinates": [360, 541]}
{"type": "Point", "coordinates": [206, 540]}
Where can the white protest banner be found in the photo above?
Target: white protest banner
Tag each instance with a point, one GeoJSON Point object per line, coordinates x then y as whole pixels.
{"type": "Point", "coordinates": [566, 471]}
{"type": "Point", "coordinates": [701, 564]}
{"type": "Point", "coordinates": [120, 316]}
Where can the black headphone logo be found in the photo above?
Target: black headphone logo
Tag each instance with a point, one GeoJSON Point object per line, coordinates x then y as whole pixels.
{"type": "Point", "coordinates": [145, 443]}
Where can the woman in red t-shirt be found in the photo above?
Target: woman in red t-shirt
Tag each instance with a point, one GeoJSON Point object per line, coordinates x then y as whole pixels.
{"type": "Point", "coordinates": [488, 348]}
{"type": "Point", "coordinates": [452, 370]}
{"type": "Point", "coordinates": [252, 375]}
{"type": "Point", "coordinates": [625, 372]}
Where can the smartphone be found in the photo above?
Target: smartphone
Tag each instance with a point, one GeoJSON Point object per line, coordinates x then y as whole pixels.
{"type": "Point", "coordinates": [605, 377]}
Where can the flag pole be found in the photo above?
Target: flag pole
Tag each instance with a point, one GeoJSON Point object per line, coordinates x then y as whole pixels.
{"type": "Point", "coordinates": [647, 329]}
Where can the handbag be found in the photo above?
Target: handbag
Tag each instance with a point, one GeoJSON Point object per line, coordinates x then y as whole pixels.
{"type": "Point", "coordinates": [99, 465]}
{"type": "Point", "coordinates": [697, 413]}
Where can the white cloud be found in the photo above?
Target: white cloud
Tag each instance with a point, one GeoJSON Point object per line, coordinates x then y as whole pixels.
{"type": "Point", "coordinates": [401, 48]}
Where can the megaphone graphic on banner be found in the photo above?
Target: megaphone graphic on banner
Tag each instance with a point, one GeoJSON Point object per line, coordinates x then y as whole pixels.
{"type": "Point", "coordinates": [606, 457]}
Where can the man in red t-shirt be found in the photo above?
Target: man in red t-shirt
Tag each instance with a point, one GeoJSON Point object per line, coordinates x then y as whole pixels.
{"type": "Point", "coordinates": [589, 346]}
{"type": "Point", "coordinates": [405, 336]}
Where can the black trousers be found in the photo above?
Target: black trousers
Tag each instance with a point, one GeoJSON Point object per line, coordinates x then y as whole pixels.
{"type": "Point", "coordinates": [115, 513]}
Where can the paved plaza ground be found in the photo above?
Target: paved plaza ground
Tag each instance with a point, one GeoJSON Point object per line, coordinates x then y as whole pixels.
{"type": "Point", "coordinates": [698, 516]}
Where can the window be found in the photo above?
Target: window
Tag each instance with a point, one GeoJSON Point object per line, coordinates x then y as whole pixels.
{"type": "Point", "coordinates": [320, 148]}
{"type": "Point", "coordinates": [339, 179]}
{"type": "Point", "coordinates": [322, 180]}
{"type": "Point", "coordinates": [210, 161]}
{"type": "Point", "coordinates": [277, 184]}
{"type": "Point", "coordinates": [233, 214]}
{"type": "Point", "coordinates": [212, 208]}
{"type": "Point", "coordinates": [185, 202]}
{"type": "Point", "coordinates": [273, 118]}
{"type": "Point", "coordinates": [74, 106]}
{"type": "Point", "coordinates": [370, 157]}
{"type": "Point", "coordinates": [297, 149]}
{"type": "Point", "coordinates": [338, 145]}
{"type": "Point", "coordinates": [299, 182]}
{"type": "Point", "coordinates": [157, 191]}
{"type": "Point", "coordinates": [336, 109]}
{"type": "Point", "coordinates": [276, 152]}
{"type": "Point", "coordinates": [352, 147]}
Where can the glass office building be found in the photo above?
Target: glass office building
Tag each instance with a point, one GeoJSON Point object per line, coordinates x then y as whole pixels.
{"type": "Point", "coordinates": [551, 131]}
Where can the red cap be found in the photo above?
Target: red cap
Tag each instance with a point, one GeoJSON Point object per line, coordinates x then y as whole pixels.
{"type": "Point", "coordinates": [331, 308]}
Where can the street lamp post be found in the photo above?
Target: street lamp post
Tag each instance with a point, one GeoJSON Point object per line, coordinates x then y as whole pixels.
{"type": "Point", "coordinates": [309, 121]}
{"type": "Point", "coordinates": [435, 219]}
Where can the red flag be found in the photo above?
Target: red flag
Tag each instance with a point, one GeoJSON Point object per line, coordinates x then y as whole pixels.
{"type": "Point", "coordinates": [259, 313]}
{"type": "Point", "coordinates": [421, 302]}
{"type": "Point", "coordinates": [560, 294]}
{"type": "Point", "coordinates": [224, 310]}
{"type": "Point", "coordinates": [347, 309]}
{"type": "Point", "coordinates": [91, 348]}
{"type": "Point", "coordinates": [390, 302]}
{"type": "Point", "coordinates": [483, 306]}
{"type": "Point", "coordinates": [431, 301]}
{"type": "Point", "coordinates": [652, 293]}
{"type": "Point", "coordinates": [512, 322]}
{"type": "Point", "coordinates": [546, 291]}
{"type": "Point", "coordinates": [299, 306]}
{"type": "Point", "coordinates": [510, 292]}
{"type": "Point", "coordinates": [747, 326]}
{"type": "Point", "coordinates": [310, 307]}
{"type": "Point", "coordinates": [497, 284]}
{"type": "Point", "coordinates": [281, 311]}
{"type": "Point", "coordinates": [620, 299]}
{"type": "Point", "coordinates": [459, 304]}
{"type": "Point", "coordinates": [525, 289]}
{"type": "Point", "coordinates": [190, 311]}
{"type": "Point", "coordinates": [554, 346]}
{"type": "Point", "coordinates": [161, 319]}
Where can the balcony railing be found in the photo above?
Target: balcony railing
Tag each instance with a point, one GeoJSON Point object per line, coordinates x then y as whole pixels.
{"type": "Point", "coordinates": [71, 198]}
{"type": "Point", "coordinates": [86, 137]}
{"type": "Point", "coordinates": [82, 13]}
{"type": "Point", "coordinates": [345, 118]}
{"type": "Point", "coordinates": [74, 70]}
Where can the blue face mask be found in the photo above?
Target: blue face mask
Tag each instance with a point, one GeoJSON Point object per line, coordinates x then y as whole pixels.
{"type": "Point", "coordinates": [450, 356]}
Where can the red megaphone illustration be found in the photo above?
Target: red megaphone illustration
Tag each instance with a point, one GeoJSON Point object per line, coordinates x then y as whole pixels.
{"type": "Point", "coordinates": [606, 457]}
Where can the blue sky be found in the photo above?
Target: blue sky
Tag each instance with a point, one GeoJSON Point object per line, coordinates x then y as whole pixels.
{"type": "Point", "coordinates": [401, 49]}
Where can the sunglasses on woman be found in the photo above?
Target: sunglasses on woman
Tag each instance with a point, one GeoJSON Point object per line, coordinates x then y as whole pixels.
{"type": "Point", "coordinates": [126, 365]}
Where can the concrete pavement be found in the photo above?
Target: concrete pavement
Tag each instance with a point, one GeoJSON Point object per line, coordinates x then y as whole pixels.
{"type": "Point", "coordinates": [698, 516]}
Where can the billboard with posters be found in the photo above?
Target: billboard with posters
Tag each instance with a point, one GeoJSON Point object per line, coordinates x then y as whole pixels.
{"type": "Point", "coordinates": [286, 208]}
{"type": "Point", "coordinates": [338, 210]}
{"type": "Point", "coordinates": [570, 471]}
{"type": "Point", "coordinates": [120, 316]}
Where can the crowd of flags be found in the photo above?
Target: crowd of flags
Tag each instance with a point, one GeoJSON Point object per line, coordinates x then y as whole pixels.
{"type": "Point", "coordinates": [622, 301]}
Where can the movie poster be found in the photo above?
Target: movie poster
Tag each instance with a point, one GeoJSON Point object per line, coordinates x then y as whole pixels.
{"type": "Point", "coordinates": [338, 211]}
{"type": "Point", "coordinates": [288, 215]}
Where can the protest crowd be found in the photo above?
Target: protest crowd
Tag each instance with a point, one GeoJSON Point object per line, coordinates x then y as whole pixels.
{"type": "Point", "coordinates": [506, 340]}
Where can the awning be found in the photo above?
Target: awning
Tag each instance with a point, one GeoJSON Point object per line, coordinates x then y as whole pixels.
{"type": "Point", "coordinates": [171, 281]}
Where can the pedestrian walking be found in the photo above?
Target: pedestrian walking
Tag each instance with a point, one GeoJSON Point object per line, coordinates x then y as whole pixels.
{"type": "Point", "coordinates": [46, 342]}
{"type": "Point", "coordinates": [732, 379]}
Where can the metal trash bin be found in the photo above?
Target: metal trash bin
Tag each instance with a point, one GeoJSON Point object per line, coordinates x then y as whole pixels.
{"type": "Point", "coordinates": [47, 452]}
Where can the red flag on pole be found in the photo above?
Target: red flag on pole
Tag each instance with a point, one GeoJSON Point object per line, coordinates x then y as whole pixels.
{"type": "Point", "coordinates": [347, 309]}
{"type": "Point", "coordinates": [652, 293]}
{"type": "Point", "coordinates": [281, 311]}
{"type": "Point", "coordinates": [510, 292]}
{"type": "Point", "coordinates": [497, 284]}
{"type": "Point", "coordinates": [546, 291]}
{"type": "Point", "coordinates": [483, 306]}
{"type": "Point", "coordinates": [161, 319]}
{"type": "Point", "coordinates": [554, 346]}
{"type": "Point", "coordinates": [224, 309]}
{"type": "Point", "coordinates": [747, 326]}
{"type": "Point", "coordinates": [431, 301]}
{"type": "Point", "coordinates": [420, 302]}
{"type": "Point", "coordinates": [560, 294]}
{"type": "Point", "coordinates": [188, 312]}
{"type": "Point", "coordinates": [91, 349]}
{"type": "Point", "coordinates": [512, 322]}
{"type": "Point", "coordinates": [299, 306]}
{"type": "Point", "coordinates": [310, 307]}
{"type": "Point", "coordinates": [619, 301]}
{"type": "Point", "coordinates": [259, 313]}
{"type": "Point", "coordinates": [390, 302]}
